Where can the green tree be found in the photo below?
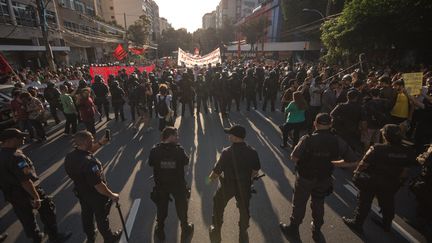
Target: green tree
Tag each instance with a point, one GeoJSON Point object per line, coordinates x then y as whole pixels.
{"type": "Point", "coordinates": [254, 30]}
{"type": "Point", "coordinates": [139, 31]}
{"type": "Point", "coordinates": [172, 39]}
{"type": "Point", "coordinates": [370, 25]}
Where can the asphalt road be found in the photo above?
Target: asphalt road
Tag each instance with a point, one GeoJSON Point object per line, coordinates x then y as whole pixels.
{"type": "Point", "coordinates": [202, 137]}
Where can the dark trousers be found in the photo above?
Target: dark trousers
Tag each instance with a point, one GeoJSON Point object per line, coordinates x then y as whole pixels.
{"type": "Point", "coordinates": [118, 109]}
{"type": "Point", "coordinates": [99, 210]}
{"type": "Point", "coordinates": [71, 123]}
{"type": "Point", "coordinates": [189, 103]}
{"type": "Point", "coordinates": [236, 99]}
{"type": "Point", "coordinates": [296, 128]}
{"type": "Point", "coordinates": [105, 106]}
{"type": "Point", "coordinates": [26, 125]}
{"type": "Point", "coordinates": [317, 190]}
{"type": "Point", "coordinates": [251, 98]}
{"type": "Point", "coordinates": [90, 126]}
{"type": "Point", "coordinates": [53, 111]}
{"type": "Point", "coordinates": [272, 99]}
{"type": "Point", "coordinates": [180, 197]}
{"type": "Point", "coordinates": [385, 195]}
{"type": "Point", "coordinates": [311, 114]}
{"type": "Point", "coordinates": [174, 105]}
{"type": "Point", "coordinates": [37, 125]}
{"type": "Point", "coordinates": [202, 101]}
{"type": "Point", "coordinates": [224, 193]}
{"type": "Point", "coordinates": [216, 103]}
{"type": "Point", "coordinates": [24, 211]}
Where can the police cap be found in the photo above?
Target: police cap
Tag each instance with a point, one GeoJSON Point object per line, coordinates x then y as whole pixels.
{"type": "Point", "coordinates": [11, 133]}
{"type": "Point", "coordinates": [323, 119]}
{"type": "Point", "coordinates": [236, 130]}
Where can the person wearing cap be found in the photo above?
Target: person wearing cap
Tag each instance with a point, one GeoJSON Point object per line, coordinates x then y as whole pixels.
{"type": "Point", "coordinates": [239, 164]}
{"type": "Point", "coordinates": [380, 173]}
{"type": "Point", "coordinates": [20, 186]}
{"type": "Point", "coordinates": [168, 160]}
{"type": "Point", "coordinates": [315, 157]}
{"type": "Point", "coordinates": [90, 187]}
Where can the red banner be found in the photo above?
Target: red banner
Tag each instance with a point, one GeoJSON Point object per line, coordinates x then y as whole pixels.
{"type": "Point", "coordinates": [119, 52]}
{"type": "Point", "coordinates": [106, 71]}
{"type": "Point", "coordinates": [5, 68]}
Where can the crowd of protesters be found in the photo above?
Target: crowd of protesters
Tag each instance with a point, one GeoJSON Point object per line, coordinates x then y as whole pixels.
{"type": "Point", "coordinates": [360, 103]}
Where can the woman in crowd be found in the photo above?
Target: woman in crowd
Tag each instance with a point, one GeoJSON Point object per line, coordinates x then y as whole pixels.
{"type": "Point", "coordinates": [295, 119]}
{"type": "Point", "coordinates": [35, 112]}
{"type": "Point", "coordinates": [87, 109]}
{"type": "Point", "coordinates": [69, 110]}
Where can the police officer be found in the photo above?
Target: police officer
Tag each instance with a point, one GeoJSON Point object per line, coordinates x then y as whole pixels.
{"type": "Point", "coordinates": [235, 90]}
{"type": "Point", "coordinates": [101, 92]}
{"type": "Point", "coordinates": [202, 90]}
{"type": "Point", "coordinates": [315, 157]}
{"type": "Point", "coordinates": [19, 183]}
{"type": "Point", "coordinates": [383, 169]}
{"type": "Point", "coordinates": [239, 163]}
{"type": "Point", "coordinates": [269, 90]}
{"type": "Point", "coordinates": [168, 160]}
{"type": "Point", "coordinates": [90, 187]}
{"type": "Point", "coordinates": [250, 88]}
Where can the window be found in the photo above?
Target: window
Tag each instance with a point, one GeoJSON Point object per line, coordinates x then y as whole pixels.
{"type": "Point", "coordinates": [111, 8]}
{"type": "Point", "coordinates": [24, 14]}
{"type": "Point", "coordinates": [112, 17]}
{"type": "Point", "coordinates": [71, 4]}
{"type": "Point", "coordinates": [90, 11]}
{"type": "Point", "coordinates": [79, 6]}
{"type": "Point", "coordinates": [50, 16]}
{"type": "Point", "coordinates": [4, 12]}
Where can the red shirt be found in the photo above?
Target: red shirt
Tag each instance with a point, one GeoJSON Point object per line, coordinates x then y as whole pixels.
{"type": "Point", "coordinates": [87, 109]}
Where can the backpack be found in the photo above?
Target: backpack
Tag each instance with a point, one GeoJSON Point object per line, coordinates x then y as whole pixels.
{"type": "Point", "coordinates": [162, 107]}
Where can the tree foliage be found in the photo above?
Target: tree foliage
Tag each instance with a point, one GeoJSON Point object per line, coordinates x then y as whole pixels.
{"type": "Point", "coordinates": [139, 31]}
{"type": "Point", "coordinates": [255, 29]}
{"type": "Point", "coordinates": [367, 25]}
{"type": "Point", "coordinates": [172, 39]}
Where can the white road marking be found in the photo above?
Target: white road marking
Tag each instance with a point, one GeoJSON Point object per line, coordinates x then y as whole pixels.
{"type": "Point", "coordinates": [131, 219]}
{"type": "Point", "coordinates": [395, 225]}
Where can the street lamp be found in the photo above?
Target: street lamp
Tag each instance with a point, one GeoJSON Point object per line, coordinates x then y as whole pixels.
{"type": "Point", "coordinates": [314, 10]}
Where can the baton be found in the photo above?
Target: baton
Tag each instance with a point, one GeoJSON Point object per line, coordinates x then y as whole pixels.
{"type": "Point", "coordinates": [258, 177]}
{"type": "Point", "coordinates": [122, 221]}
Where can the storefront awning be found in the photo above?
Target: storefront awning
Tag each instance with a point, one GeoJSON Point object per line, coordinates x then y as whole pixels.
{"type": "Point", "coordinates": [32, 48]}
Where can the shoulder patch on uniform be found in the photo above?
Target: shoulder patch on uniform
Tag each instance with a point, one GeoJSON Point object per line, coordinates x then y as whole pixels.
{"type": "Point", "coordinates": [95, 168]}
{"type": "Point", "coordinates": [22, 164]}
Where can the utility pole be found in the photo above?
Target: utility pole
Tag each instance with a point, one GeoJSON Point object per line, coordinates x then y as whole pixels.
{"type": "Point", "coordinates": [41, 8]}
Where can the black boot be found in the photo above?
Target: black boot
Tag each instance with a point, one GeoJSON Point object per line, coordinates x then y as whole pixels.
{"type": "Point", "coordinates": [159, 232]}
{"type": "Point", "coordinates": [316, 233]}
{"type": "Point", "coordinates": [291, 230]}
{"type": "Point", "coordinates": [353, 225]}
{"type": "Point", "coordinates": [215, 234]}
{"type": "Point", "coordinates": [243, 236]}
{"type": "Point", "coordinates": [187, 230]}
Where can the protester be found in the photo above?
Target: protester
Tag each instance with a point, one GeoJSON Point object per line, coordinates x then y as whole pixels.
{"type": "Point", "coordinates": [69, 110]}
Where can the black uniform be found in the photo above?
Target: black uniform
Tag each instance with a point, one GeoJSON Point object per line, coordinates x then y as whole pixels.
{"type": "Point", "coordinates": [168, 161]}
{"type": "Point", "coordinates": [117, 100]}
{"type": "Point", "coordinates": [101, 100]}
{"type": "Point", "coordinates": [250, 87]}
{"type": "Point", "coordinates": [314, 173]}
{"type": "Point", "coordinates": [235, 90]}
{"type": "Point", "coordinates": [384, 164]}
{"type": "Point", "coordinates": [202, 91]}
{"type": "Point", "coordinates": [86, 172]}
{"type": "Point", "coordinates": [187, 93]}
{"type": "Point", "coordinates": [269, 91]}
{"type": "Point", "coordinates": [16, 168]}
{"type": "Point", "coordinates": [237, 163]}
{"type": "Point", "coordinates": [52, 96]}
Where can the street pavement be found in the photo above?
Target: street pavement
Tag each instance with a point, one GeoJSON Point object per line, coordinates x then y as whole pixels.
{"type": "Point", "coordinates": [127, 171]}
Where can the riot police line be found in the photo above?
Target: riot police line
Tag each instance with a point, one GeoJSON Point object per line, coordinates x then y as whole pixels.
{"type": "Point", "coordinates": [225, 90]}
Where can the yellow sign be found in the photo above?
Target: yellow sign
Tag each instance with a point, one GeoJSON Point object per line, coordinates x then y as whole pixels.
{"type": "Point", "coordinates": [413, 82]}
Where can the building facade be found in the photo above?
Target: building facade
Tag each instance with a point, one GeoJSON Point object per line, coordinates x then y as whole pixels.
{"type": "Point", "coordinates": [163, 25]}
{"type": "Point", "coordinates": [233, 10]}
{"type": "Point", "coordinates": [21, 39]}
{"type": "Point", "coordinates": [151, 10]}
{"type": "Point", "coordinates": [209, 20]}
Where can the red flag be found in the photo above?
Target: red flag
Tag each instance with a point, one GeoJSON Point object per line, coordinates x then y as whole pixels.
{"type": "Point", "coordinates": [120, 53]}
{"type": "Point", "coordinates": [137, 51]}
{"type": "Point", "coordinates": [5, 68]}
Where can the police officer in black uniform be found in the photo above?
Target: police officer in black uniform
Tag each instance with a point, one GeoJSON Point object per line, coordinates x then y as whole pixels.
{"type": "Point", "coordinates": [269, 90]}
{"type": "Point", "coordinates": [238, 163]}
{"type": "Point", "coordinates": [202, 91]}
{"type": "Point", "coordinates": [168, 160]}
{"type": "Point", "coordinates": [101, 92]}
{"type": "Point", "coordinates": [250, 87]}
{"type": "Point", "coordinates": [315, 157]}
{"type": "Point", "coordinates": [383, 168]}
{"type": "Point", "coordinates": [91, 188]}
{"type": "Point", "coordinates": [19, 183]}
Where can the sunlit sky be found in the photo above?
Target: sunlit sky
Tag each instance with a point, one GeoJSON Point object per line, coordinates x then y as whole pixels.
{"type": "Point", "coordinates": [185, 13]}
